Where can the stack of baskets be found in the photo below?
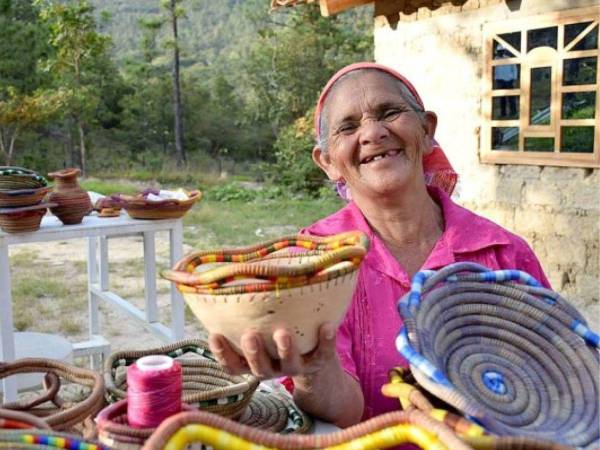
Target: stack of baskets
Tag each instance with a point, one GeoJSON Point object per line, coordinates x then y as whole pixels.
{"type": "Point", "coordinates": [22, 192]}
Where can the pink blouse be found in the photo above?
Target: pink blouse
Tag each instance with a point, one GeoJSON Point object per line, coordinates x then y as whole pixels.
{"type": "Point", "coordinates": [365, 338]}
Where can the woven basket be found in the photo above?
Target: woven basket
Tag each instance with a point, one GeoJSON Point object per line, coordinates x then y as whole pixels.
{"type": "Point", "coordinates": [22, 197]}
{"type": "Point", "coordinates": [268, 285]}
{"type": "Point", "coordinates": [139, 208]}
{"type": "Point", "coordinates": [23, 219]}
{"type": "Point", "coordinates": [61, 416]}
{"type": "Point", "coordinates": [114, 430]}
{"type": "Point", "coordinates": [205, 385]}
{"type": "Point", "coordinates": [516, 357]}
{"type": "Point", "coordinates": [381, 432]}
{"type": "Point", "coordinates": [42, 439]}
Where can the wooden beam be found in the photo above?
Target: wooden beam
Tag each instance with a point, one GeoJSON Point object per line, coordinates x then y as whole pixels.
{"type": "Point", "coordinates": [331, 7]}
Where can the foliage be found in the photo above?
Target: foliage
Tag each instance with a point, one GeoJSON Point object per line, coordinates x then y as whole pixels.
{"type": "Point", "coordinates": [293, 166]}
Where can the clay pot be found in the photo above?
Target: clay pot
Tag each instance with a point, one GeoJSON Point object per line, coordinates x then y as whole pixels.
{"type": "Point", "coordinates": [73, 203]}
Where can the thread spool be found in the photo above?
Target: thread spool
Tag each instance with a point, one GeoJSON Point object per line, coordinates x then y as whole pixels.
{"type": "Point", "coordinates": [154, 385]}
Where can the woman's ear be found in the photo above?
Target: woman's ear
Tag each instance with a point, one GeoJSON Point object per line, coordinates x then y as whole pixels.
{"type": "Point", "coordinates": [429, 125]}
{"type": "Point", "coordinates": [323, 160]}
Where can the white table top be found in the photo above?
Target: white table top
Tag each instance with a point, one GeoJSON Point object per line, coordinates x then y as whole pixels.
{"type": "Point", "coordinates": [52, 229]}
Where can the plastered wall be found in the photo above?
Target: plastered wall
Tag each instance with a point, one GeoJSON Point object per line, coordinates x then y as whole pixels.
{"type": "Point", "coordinates": [557, 210]}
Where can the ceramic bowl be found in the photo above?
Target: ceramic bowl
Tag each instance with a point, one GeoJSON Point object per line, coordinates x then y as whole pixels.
{"type": "Point", "coordinates": [138, 207]}
{"type": "Point", "coordinates": [297, 282]}
{"type": "Point", "coordinates": [23, 219]}
{"type": "Point", "coordinates": [22, 197]}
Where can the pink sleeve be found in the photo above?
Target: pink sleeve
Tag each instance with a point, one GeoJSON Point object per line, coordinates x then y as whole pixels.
{"type": "Point", "coordinates": [525, 260]}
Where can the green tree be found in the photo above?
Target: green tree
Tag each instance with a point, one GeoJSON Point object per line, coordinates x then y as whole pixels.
{"type": "Point", "coordinates": [80, 58]}
{"type": "Point", "coordinates": [25, 100]}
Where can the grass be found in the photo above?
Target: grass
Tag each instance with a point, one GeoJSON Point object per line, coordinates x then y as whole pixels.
{"type": "Point", "coordinates": [212, 224]}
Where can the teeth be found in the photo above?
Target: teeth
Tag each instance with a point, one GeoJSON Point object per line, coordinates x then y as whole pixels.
{"type": "Point", "coordinates": [378, 157]}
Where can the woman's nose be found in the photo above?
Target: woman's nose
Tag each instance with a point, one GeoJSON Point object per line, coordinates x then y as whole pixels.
{"type": "Point", "coordinates": [372, 131]}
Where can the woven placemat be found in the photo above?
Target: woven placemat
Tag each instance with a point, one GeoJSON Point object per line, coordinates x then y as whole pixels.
{"type": "Point", "coordinates": [510, 354]}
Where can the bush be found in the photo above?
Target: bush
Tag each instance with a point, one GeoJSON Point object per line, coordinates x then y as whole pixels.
{"type": "Point", "coordinates": [294, 168]}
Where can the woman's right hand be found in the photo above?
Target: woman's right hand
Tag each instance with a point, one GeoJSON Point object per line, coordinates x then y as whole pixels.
{"type": "Point", "coordinates": [256, 360]}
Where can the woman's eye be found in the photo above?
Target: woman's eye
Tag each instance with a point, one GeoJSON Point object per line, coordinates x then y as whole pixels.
{"type": "Point", "coordinates": [391, 114]}
{"type": "Point", "coordinates": [347, 128]}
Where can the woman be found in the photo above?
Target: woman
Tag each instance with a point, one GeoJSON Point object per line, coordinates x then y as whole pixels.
{"type": "Point", "coordinates": [375, 140]}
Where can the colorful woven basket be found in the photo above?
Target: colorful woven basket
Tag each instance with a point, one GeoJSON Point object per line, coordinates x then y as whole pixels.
{"type": "Point", "coordinates": [295, 281]}
{"type": "Point", "coordinates": [508, 353]}
{"type": "Point", "coordinates": [60, 415]}
{"type": "Point", "coordinates": [381, 432]}
{"type": "Point", "coordinates": [42, 439]}
{"type": "Point", "coordinates": [205, 385]}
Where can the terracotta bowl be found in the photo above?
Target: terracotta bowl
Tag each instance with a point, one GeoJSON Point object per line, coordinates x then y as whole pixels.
{"type": "Point", "coordinates": [138, 207]}
{"type": "Point", "coordinates": [22, 197]}
{"type": "Point", "coordinates": [23, 219]}
{"type": "Point", "coordinates": [297, 282]}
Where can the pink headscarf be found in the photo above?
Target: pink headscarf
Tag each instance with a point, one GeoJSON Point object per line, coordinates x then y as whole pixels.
{"type": "Point", "coordinates": [437, 168]}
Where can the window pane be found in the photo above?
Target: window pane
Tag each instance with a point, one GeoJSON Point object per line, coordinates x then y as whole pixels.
{"type": "Point", "coordinates": [505, 138]}
{"type": "Point", "coordinates": [579, 105]}
{"type": "Point", "coordinates": [505, 107]}
{"type": "Point", "coordinates": [542, 37]}
{"type": "Point", "coordinates": [590, 41]}
{"type": "Point", "coordinates": [507, 76]}
{"type": "Point", "coordinates": [579, 71]}
{"type": "Point", "coordinates": [541, 90]}
{"type": "Point", "coordinates": [513, 39]}
{"type": "Point", "coordinates": [539, 144]}
{"type": "Point", "coordinates": [577, 139]}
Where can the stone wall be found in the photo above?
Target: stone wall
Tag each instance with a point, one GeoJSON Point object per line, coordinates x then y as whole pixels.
{"type": "Point", "coordinates": [557, 210]}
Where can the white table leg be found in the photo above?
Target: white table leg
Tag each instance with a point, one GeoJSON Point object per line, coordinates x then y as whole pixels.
{"type": "Point", "coordinates": [7, 349]}
{"type": "Point", "coordinates": [150, 276]}
{"type": "Point", "coordinates": [177, 305]}
{"type": "Point", "coordinates": [103, 247]}
{"type": "Point", "coordinates": [92, 267]}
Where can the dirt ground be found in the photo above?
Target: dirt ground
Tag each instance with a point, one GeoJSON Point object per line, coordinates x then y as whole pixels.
{"type": "Point", "coordinates": [66, 262]}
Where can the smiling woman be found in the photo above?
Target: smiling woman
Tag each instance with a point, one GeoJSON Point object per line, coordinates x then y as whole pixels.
{"type": "Point", "coordinates": [376, 141]}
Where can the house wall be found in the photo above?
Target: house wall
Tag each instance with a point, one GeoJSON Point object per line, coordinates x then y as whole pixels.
{"type": "Point", "coordinates": [557, 210]}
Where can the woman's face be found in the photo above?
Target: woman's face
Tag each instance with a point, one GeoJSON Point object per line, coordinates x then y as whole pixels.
{"type": "Point", "coordinates": [376, 140]}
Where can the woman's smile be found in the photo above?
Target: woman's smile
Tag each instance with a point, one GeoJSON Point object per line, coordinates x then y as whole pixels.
{"type": "Point", "coordinates": [380, 156]}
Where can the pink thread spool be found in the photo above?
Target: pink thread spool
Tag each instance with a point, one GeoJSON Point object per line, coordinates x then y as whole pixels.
{"type": "Point", "coordinates": [154, 385]}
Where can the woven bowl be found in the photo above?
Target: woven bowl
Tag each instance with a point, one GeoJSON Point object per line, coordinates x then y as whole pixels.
{"type": "Point", "coordinates": [138, 207]}
{"type": "Point", "coordinates": [296, 282]}
{"type": "Point", "coordinates": [22, 197]}
{"type": "Point", "coordinates": [205, 385]}
{"type": "Point", "coordinates": [505, 351]}
{"type": "Point", "coordinates": [23, 219]}
{"type": "Point", "coordinates": [12, 178]}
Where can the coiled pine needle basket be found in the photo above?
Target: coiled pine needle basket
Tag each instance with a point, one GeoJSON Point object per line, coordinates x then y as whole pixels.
{"type": "Point", "coordinates": [60, 415]}
{"type": "Point", "coordinates": [510, 354]}
{"type": "Point", "coordinates": [205, 384]}
{"type": "Point", "coordinates": [295, 281]}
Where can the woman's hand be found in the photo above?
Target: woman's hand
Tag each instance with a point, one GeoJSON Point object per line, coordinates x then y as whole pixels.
{"type": "Point", "coordinates": [322, 387]}
{"type": "Point", "coordinates": [256, 359]}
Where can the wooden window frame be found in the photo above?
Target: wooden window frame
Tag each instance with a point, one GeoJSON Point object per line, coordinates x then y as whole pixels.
{"type": "Point", "coordinates": [539, 57]}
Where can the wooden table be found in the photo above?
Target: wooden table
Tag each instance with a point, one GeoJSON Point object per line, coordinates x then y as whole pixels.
{"type": "Point", "coordinates": [97, 231]}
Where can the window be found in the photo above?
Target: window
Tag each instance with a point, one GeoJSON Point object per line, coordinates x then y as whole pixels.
{"type": "Point", "coordinates": [541, 90]}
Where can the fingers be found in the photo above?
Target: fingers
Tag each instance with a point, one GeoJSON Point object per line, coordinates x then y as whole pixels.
{"type": "Point", "coordinates": [290, 361]}
{"type": "Point", "coordinates": [255, 352]}
{"type": "Point", "coordinates": [226, 356]}
{"type": "Point", "coordinates": [326, 348]}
